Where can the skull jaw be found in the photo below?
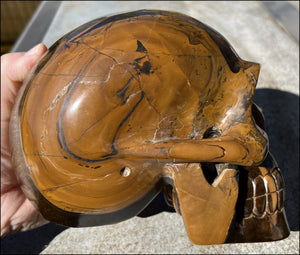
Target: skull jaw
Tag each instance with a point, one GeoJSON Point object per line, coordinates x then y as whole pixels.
{"type": "Point", "coordinates": [260, 214]}
{"type": "Point", "coordinates": [249, 208]}
{"type": "Point", "coordinates": [207, 209]}
{"type": "Point", "coordinates": [266, 229]}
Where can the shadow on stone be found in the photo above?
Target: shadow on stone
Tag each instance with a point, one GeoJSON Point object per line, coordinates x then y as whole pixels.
{"type": "Point", "coordinates": [30, 242]}
{"type": "Point", "coordinates": [281, 110]}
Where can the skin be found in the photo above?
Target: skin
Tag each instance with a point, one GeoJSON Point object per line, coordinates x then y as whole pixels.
{"type": "Point", "coordinates": [17, 212]}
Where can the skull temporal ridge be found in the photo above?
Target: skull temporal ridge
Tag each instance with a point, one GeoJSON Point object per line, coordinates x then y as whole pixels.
{"type": "Point", "coordinates": [125, 105]}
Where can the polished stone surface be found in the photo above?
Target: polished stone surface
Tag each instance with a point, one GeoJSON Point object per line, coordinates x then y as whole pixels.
{"type": "Point", "coordinates": [256, 36]}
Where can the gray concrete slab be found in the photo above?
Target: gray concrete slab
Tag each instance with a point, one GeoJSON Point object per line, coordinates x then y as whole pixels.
{"type": "Point", "coordinates": [36, 28]}
{"type": "Point", "coordinates": [256, 36]}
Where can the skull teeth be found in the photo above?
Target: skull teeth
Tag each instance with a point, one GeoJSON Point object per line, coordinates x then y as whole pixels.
{"type": "Point", "coordinates": [265, 193]}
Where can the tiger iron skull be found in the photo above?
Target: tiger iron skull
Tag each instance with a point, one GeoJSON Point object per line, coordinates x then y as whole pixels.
{"type": "Point", "coordinates": [125, 106]}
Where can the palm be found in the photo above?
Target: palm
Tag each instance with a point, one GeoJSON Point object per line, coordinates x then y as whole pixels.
{"type": "Point", "coordinates": [17, 212]}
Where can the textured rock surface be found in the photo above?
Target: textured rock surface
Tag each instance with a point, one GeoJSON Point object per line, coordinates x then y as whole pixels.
{"type": "Point", "coordinates": [163, 233]}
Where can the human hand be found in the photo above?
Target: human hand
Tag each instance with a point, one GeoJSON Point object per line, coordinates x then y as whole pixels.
{"type": "Point", "coordinates": [17, 212]}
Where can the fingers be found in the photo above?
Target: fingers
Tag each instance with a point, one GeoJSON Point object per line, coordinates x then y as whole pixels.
{"type": "Point", "coordinates": [18, 213]}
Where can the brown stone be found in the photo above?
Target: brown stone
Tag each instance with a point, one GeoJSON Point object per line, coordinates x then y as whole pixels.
{"type": "Point", "coordinates": [124, 105]}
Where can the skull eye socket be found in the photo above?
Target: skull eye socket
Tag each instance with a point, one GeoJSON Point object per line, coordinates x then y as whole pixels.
{"type": "Point", "coordinates": [258, 116]}
{"type": "Point", "coordinates": [212, 132]}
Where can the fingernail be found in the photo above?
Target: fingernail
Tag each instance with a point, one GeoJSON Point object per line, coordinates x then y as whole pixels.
{"type": "Point", "coordinates": [33, 50]}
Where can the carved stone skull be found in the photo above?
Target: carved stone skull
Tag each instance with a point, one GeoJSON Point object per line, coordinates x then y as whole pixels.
{"type": "Point", "coordinates": [126, 105]}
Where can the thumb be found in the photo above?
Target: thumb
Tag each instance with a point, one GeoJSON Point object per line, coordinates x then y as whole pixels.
{"type": "Point", "coordinates": [14, 68]}
{"type": "Point", "coordinates": [17, 65]}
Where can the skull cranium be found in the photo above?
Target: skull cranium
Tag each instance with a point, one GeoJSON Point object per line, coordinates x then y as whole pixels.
{"type": "Point", "coordinates": [128, 104]}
